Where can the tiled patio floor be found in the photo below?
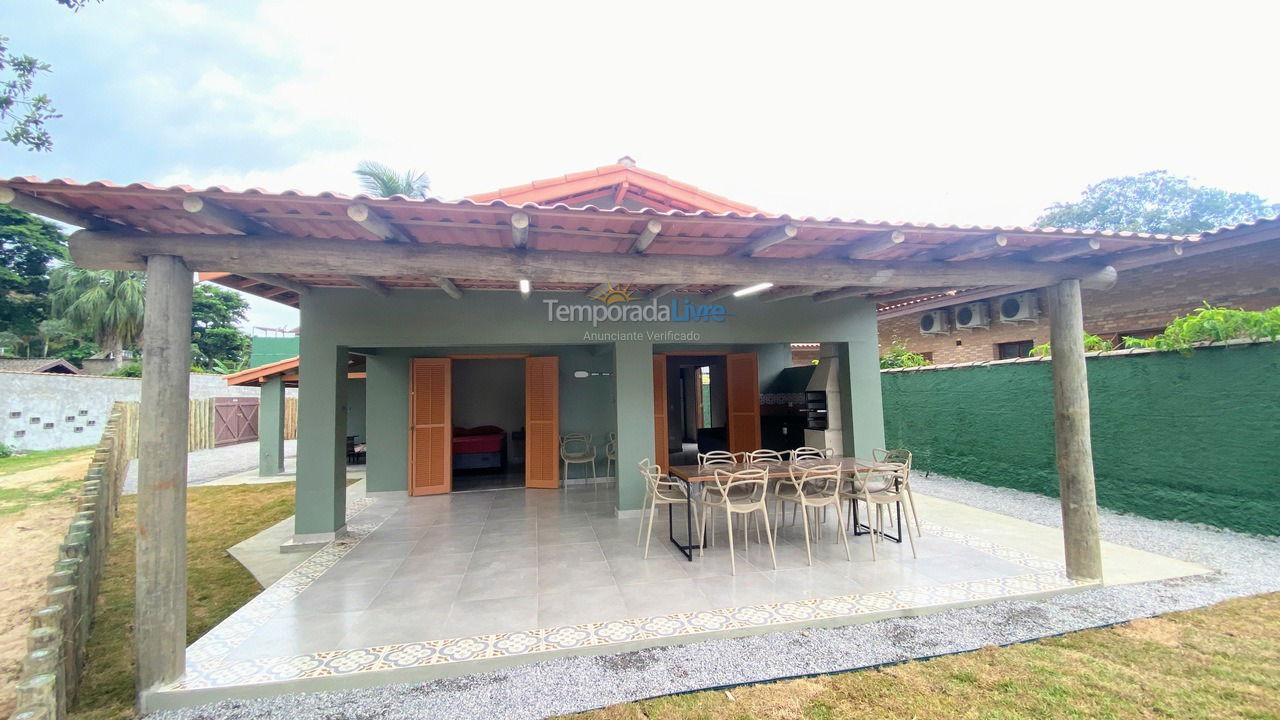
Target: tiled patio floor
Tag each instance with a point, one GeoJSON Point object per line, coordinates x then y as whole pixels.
{"type": "Point", "coordinates": [445, 584]}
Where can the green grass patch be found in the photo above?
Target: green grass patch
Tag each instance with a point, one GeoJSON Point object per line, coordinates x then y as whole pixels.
{"type": "Point", "coordinates": [1215, 663]}
{"type": "Point", "coordinates": [217, 585]}
{"type": "Point", "coordinates": [38, 458]}
{"type": "Point", "coordinates": [15, 500]}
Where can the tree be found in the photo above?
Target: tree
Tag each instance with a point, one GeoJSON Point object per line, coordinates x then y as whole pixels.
{"type": "Point", "coordinates": [23, 114]}
{"type": "Point", "coordinates": [216, 341]}
{"type": "Point", "coordinates": [55, 332]}
{"type": "Point", "coordinates": [382, 181]}
{"type": "Point", "coordinates": [28, 245]}
{"type": "Point", "coordinates": [107, 304]}
{"type": "Point", "coordinates": [1156, 202]}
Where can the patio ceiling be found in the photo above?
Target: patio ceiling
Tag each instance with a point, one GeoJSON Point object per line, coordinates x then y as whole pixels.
{"type": "Point", "coordinates": [279, 245]}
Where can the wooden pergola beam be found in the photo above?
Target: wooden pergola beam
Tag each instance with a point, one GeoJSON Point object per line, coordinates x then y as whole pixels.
{"type": "Point", "coordinates": [278, 281]}
{"type": "Point", "coordinates": [969, 247]}
{"type": "Point", "coordinates": [370, 284]}
{"type": "Point", "coordinates": [1062, 251]}
{"type": "Point", "coordinates": [793, 293]}
{"type": "Point", "coordinates": [54, 211]}
{"type": "Point", "coordinates": [223, 216]}
{"type": "Point", "coordinates": [448, 286]}
{"type": "Point", "coordinates": [665, 290]}
{"type": "Point", "coordinates": [646, 236]}
{"type": "Point", "coordinates": [842, 293]}
{"type": "Point", "coordinates": [769, 239]}
{"type": "Point", "coordinates": [519, 229]}
{"type": "Point", "coordinates": [373, 222]}
{"type": "Point", "coordinates": [907, 294]}
{"type": "Point", "coordinates": [269, 255]}
{"type": "Point", "coordinates": [874, 243]}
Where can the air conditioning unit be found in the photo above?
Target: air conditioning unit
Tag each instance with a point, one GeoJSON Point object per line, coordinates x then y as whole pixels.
{"type": "Point", "coordinates": [972, 315]}
{"type": "Point", "coordinates": [1022, 307]}
{"type": "Point", "coordinates": [934, 322]}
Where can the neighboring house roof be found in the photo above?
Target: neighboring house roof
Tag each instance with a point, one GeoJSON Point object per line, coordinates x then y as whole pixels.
{"type": "Point", "coordinates": [288, 370]}
{"type": "Point", "coordinates": [621, 184]}
{"type": "Point", "coordinates": [55, 366]}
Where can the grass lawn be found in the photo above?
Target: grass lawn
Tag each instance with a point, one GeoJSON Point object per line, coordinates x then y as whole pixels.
{"type": "Point", "coordinates": [217, 518]}
{"type": "Point", "coordinates": [27, 461]}
{"type": "Point", "coordinates": [1219, 662]}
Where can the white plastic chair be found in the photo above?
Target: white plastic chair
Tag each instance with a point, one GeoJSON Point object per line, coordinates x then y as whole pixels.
{"type": "Point", "coordinates": [738, 493]}
{"type": "Point", "coordinates": [610, 454]}
{"type": "Point", "coordinates": [901, 458]}
{"type": "Point", "coordinates": [879, 487]}
{"type": "Point", "coordinates": [817, 488]}
{"type": "Point", "coordinates": [659, 489]}
{"type": "Point", "coordinates": [576, 449]}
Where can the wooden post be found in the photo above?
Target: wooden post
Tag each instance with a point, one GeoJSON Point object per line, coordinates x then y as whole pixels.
{"type": "Point", "coordinates": [161, 587]}
{"type": "Point", "coordinates": [1071, 432]}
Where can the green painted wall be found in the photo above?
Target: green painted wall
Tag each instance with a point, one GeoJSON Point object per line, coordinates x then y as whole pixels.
{"type": "Point", "coordinates": [1183, 438]}
{"type": "Point", "coordinates": [266, 350]}
{"type": "Point", "coordinates": [414, 323]}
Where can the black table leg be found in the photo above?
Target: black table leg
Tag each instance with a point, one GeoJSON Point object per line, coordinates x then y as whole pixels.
{"type": "Point", "coordinates": [688, 547]}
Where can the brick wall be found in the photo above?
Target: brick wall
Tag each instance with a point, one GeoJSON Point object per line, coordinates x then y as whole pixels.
{"type": "Point", "coordinates": [1144, 299]}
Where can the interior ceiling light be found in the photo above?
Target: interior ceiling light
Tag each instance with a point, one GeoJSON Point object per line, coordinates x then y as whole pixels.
{"type": "Point", "coordinates": [524, 287]}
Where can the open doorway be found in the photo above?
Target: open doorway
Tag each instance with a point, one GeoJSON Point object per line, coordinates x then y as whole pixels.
{"type": "Point", "coordinates": [697, 412]}
{"type": "Point", "coordinates": [488, 434]}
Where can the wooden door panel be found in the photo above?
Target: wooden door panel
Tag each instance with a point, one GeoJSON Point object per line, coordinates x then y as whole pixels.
{"type": "Point", "coordinates": [660, 429]}
{"type": "Point", "coordinates": [431, 419]}
{"type": "Point", "coordinates": [742, 375]}
{"type": "Point", "coordinates": [235, 420]}
{"type": "Point", "coordinates": [542, 422]}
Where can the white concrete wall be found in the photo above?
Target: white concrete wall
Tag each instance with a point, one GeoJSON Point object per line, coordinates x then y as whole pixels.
{"type": "Point", "coordinates": [76, 406]}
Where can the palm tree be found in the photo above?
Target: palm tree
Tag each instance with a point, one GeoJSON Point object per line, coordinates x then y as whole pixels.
{"type": "Point", "coordinates": [107, 304]}
{"type": "Point", "coordinates": [382, 181]}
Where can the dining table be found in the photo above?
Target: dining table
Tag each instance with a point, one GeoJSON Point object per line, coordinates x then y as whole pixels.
{"type": "Point", "coordinates": [696, 475]}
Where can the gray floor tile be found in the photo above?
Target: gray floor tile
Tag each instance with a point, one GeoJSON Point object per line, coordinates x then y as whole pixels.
{"type": "Point", "coordinates": [509, 559]}
{"type": "Point", "coordinates": [428, 594]}
{"type": "Point", "coordinates": [357, 572]}
{"type": "Point", "coordinates": [664, 598]}
{"type": "Point", "coordinates": [296, 635]}
{"type": "Point", "coordinates": [478, 617]}
{"type": "Point", "coordinates": [322, 600]}
{"type": "Point", "coordinates": [725, 591]}
{"type": "Point", "coordinates": [500, 583]}
{"type": "Point", "coordinates": [579, 575]}
{"type": "Point", "coordinates": [562, 555]}
{"type": "Point", "coordinates": [429, 564]}
{"type": "Point", "coordinates": [392, 626]}
{"type": "Point", "coordinates": [579, 533]}
{"type": "Point", "coordinates": [581, 605]}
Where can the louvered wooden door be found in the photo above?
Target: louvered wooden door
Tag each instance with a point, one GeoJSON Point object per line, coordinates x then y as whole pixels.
{"type": "Point", "coordinates": [660, 429]}
{"type": "Point", "coordinates": [431, 431]}
{"type": "Point", "coordinates": [542, 422]}
{"type": "Point", "coordinates": [742, 375]}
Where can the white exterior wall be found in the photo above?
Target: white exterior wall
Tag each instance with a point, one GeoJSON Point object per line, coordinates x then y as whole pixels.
{"type": "Point", "coordinates": [76, 406]}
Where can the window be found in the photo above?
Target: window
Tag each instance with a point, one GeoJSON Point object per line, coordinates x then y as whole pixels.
{"type": "Point", "coordinates": [1015, 349]}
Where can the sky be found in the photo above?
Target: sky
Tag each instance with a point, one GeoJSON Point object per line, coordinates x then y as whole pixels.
{"type": "Point", "coordinates": [949, 112]}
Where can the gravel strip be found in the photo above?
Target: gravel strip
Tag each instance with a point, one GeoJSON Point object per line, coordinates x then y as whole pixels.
{"type": "Point", "coordinates": [1245, 565]}
{"type": "Point", "coordinates": [213, 464]}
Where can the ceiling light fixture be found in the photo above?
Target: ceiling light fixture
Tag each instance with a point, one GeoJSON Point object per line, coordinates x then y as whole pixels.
{"type": "Point", "coordinates": [752, 289]}
{"type": "Point", "coordinates": [524, 286]}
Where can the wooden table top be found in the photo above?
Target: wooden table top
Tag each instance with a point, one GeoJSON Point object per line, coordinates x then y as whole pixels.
{"type": "Point", "coordinates": [707, 473]}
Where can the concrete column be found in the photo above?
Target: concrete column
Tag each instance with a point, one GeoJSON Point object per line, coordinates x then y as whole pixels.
{"type": "Point", "coordinates": [1071, 433]}
{"type": "Point", "coordinates": [271, 427]}
{"type": "Point", "coordinates": [861, 408]}
{"type": "Point", "coordinates": [387, 427]}
{"type": "Point", "coordinates": [161, 553]}
{"type": "Point", "coordinates": [321, 488]}
{"type": "Point", "coordinates": [633, 382]}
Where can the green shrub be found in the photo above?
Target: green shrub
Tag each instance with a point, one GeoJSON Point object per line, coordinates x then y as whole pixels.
{"type": "Point", "coordinates": [133, 370]}
{"type": "Point", "coordinates": [5, 451]}
{"type": "Point", "coordinates": [900, 357]}
{"type": "Point", "coordinates": [1213, 324]}
{"type": "Point", "coordinates": [1092, 343]}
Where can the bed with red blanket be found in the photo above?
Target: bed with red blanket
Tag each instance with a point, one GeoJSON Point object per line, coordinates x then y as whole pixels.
{"type": "Point", "coordinates": [479, 447]}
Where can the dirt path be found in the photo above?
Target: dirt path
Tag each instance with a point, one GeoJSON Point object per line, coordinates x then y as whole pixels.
{"type": "Point", "coordinates": [31, 537]}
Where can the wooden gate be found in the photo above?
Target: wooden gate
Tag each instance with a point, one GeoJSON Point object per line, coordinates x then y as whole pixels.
{"type": "Point", "coordinates": [235, 420]}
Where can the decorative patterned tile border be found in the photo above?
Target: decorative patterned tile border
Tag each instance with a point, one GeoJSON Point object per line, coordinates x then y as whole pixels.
{"type": "Point", "coordinates": [208, 666]}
